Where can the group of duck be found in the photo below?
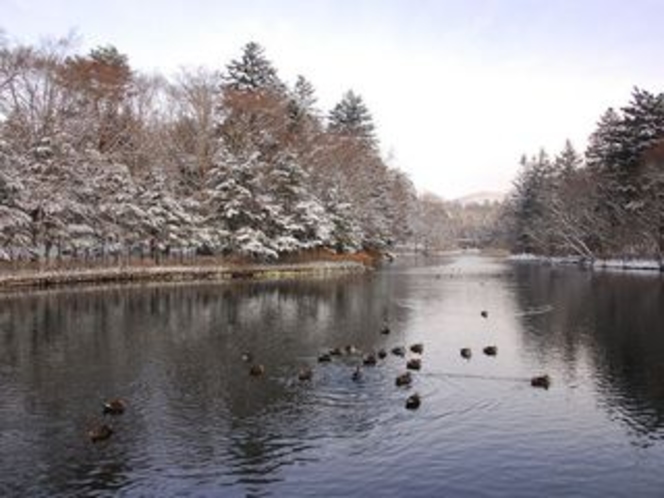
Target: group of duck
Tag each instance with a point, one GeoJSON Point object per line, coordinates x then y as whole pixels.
{"type": "Point", "coordinates": [371, 359]}
{"type": "Point", "coordinates": [306, 373]}
{"type": "Point", "coordinates": [117, 406]}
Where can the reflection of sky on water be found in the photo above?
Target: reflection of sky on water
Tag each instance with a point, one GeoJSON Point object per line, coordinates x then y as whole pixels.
{"type": "Point", "coordinates": [198, 423]}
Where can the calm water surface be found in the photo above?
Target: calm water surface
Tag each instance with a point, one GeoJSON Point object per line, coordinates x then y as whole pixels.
{"type": "Point", "coordinates": [199, 425]}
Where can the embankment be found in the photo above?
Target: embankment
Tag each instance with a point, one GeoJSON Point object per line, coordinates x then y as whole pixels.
{"type": "Point", "coordinates": [15, 280]}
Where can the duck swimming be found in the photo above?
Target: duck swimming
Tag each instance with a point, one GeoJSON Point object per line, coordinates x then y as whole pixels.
{"type": "Point", "coordinates": [417, 348]}
{"type": "Point", "coordinates": [114, 406]}
{"type": "Point", "coordinates": [369, 360]}
{"type": "Point", "coordinates": [399, 351]}
{"type": "Point", "coordinates": [404, 379]}
{"type": "Point", "coordinates": [100, 433]}
{"type": "Point", "coordinates": [256, 370]}
{"type": "Point", "coordinates": [491, 350]}
{"type": "Point", "coordinates": [414, 364]}
{"type": "Point", "coordinates": [413, 402]}
{"type": "Point", "coordinates": [350, 349]}
{"type": "Point", "coordinates": [543, 381]}
{"type": "Point", "coordinates": [466, 353]}
{"type": "Point", "coordinates": [324, 358]}
{"type": "Point", "coordinates": [305, 374]}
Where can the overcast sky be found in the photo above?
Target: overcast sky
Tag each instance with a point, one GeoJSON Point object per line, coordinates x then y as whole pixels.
{"type": "Point", "coordinates": [459, 89]}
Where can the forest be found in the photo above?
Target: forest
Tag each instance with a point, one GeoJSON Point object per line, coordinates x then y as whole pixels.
{"type": "Point", "coordinates": [100, 161]}
{"type": "Point", "coordinates": [605, 203]}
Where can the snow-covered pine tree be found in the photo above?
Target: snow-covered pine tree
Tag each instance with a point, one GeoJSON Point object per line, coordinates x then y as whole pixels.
{"type": "Point", "coordinates": [351, 118]}
{"type": "Point", "coordinates": [235, 207]}
{"type": "Point", "coordinates": [170, 226]}
{"type": "Point", "coordinates": [297, 219]}
{"type": "Point", "coordinates": [15, 230]}
{"type": "Point", "coordinates": [532, 192]}
{"type": "Point", "coordinates": [252, 72]}
{"type": "Point", "coordinates": [305, 126]}
{"type": "Point", "coordinates": [253, 112]}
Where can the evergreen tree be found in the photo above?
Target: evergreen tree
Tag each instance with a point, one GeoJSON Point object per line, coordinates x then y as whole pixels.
{"type": "Point", "coordinates": [350, 117]}
{"type": "Point", "coordinates": [643, 124]}
{"type": "Point", "coordinates": [568, 160]}
{"type": "Point", "coordinates": [302, 113]}
{"type": "Point", "coordinates": [15, 232]}
{"type": "Point", "coordinates": [604, 144]}
{"type": "Point", "coordinates": [253, 72]}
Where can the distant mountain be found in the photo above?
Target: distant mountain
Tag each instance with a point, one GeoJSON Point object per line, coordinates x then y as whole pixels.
{"type": "Point", "coordinates": [481, 198]}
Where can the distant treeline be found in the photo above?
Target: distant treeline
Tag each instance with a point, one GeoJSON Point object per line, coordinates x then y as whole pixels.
{"type": "Point", "coordinates": [99, 160]}
{"type": "Point", "coordinates": [606, 203]}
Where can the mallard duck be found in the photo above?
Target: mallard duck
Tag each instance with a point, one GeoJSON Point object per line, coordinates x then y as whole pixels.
{"type": "Point", "coordinates": [417, 348]}
{"type": "Point", "coordinates": [357, 374]}
{"type": "Point", "coordinates": [491, 350]}
{"type": "Point", "coordinates": [399, 351]}
{"type": "Point", "coordinates": [305, 374]}
{"type": "Point", "coordinates": [369, 359]}
{"type": "Point", "coordinates": [413, 402]}
{"type": "Point", "coordinates": [100, 433]}
{"type": "Point", "coordinates": [114, 406]}
{"type": "Point", "coordinates": [324, 358]}
{"type": "Point", "coordinates": [543, 381]}
{"type": "Point", "coordinates": [256, 370]}
{"type": "Point", "coordinates": [404, 379]}
{"type": "Point", "coordinates": [466, 353]}
{"type": "Point", "coordinates": [414, 364]}
{"type": "Point", "coordinates": [485, 314]}
{"type": "Point", "coordinates": [382, 354]}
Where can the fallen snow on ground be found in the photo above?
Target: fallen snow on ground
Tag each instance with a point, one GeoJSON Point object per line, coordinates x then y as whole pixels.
{"type": "Point", "coordinates": [608, 264]}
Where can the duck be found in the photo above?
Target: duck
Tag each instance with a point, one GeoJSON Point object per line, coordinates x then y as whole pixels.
{"type": "Point", "coordinates": [369, 360]}
{"type": "Point", "coordinates": [543, 381]}
{"type": "Point", "coordinates": [350, 349]}
{"type": "Point", "coordinates": [404, 379]}
{"type": "Point", "coordinates": [491, 350]}
{"type": "Point", "coordinates": [413, 402]}
{"type": "Point", "coordinates": [417, 348]}
{"type": "Point", "coordinates": [335, 352]}
{"type": "Point", "coordinates": [114, 406]}
{"type": "Point", "coordinates": [385, 329]}
{"type": "Point", "coordinates": [256, 370]}
{"type": "Point", "coordinates": [382, 354]}
{"type": "Point", "coordinates": [324, 358]}
{"type": "Point", "coordinates": [399, 351]}
{"type": "Point", "coordinates": [357, 374]}
{"type": "Point", "coordinates": [414, 364]}
{"type": "Point", "coordinates": [100, 433]}
{"type": "Point", "coordinates": [305, 374]}
{"type": "Point", "coordinates": [484, 313]}
{"type": "Point", "coordinates": [466, 353]}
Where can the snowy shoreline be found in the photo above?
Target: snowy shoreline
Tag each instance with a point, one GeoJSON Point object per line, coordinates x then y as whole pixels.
{"type": "Point", "coordinates": [132, 274]}
{"type": "Point", "coordinates": [649, 265]}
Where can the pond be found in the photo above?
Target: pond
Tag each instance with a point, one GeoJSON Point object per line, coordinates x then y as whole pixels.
{"type": "Point", "coordinates": [197, 424]}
